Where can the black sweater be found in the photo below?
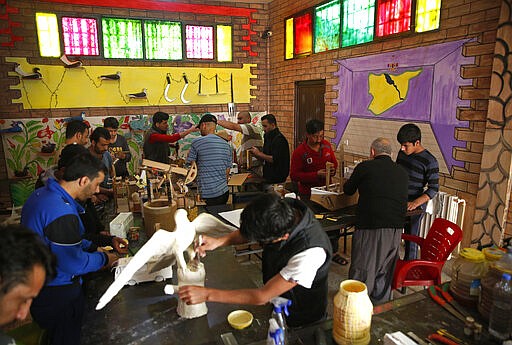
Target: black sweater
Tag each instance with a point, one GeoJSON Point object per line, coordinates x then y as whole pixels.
{"type": "Point", "coordinates": [382, 186]}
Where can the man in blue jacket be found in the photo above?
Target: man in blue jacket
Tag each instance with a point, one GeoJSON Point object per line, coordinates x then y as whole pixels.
{"type": "Point", "coordinates": [53, 213]}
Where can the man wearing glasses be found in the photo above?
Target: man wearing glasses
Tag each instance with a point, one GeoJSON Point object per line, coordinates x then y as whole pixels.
{"type": "Point", "coordinates": [296, 258]}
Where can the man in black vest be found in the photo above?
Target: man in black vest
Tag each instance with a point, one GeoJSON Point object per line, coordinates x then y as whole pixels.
{"type": "Point", "coordinates": [276, 152]}
{"type": "Point", "coordinates": [296, 258]}
{"type": "Point", "coordinates": [156, 139]}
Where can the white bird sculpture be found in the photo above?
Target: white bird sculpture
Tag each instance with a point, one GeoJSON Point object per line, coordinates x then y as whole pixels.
{"type": "Point", "coordinates": [142, 94]}
{"type": "Point", "coordinates": [115, 76]}
{"type": "Point", "coordinates": [166, 248]}
{"type": "Point", "coordinates": [70, 64]}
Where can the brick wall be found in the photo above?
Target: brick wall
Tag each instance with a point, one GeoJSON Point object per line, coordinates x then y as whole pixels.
{"type": "Point", "coordinates": [459, 19]}
{"type": "Point", "coordinates": [28, 47]}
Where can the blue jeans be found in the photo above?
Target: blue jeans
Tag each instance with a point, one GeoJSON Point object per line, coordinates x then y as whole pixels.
{"type": "Point", "coordinates": [413, 228]}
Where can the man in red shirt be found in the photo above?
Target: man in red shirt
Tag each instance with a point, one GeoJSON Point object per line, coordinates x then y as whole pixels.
{"type": "Point", "coordinates": [156, 140]}
{"type": "Point", "coordinates": [307, 167]}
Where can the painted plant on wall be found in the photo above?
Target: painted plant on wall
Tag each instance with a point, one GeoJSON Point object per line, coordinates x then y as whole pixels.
{"type": "Point", "coordinates": [420, 85]}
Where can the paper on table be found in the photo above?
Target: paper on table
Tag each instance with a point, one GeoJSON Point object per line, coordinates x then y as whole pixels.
{"type": "Point", "coordinates": [232, 216]}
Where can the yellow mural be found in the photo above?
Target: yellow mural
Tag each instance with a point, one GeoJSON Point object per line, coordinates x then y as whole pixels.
{"type": "Point", "coordinates": [389, 90]}
{"type": "Point", "coordinates": [54, 86]}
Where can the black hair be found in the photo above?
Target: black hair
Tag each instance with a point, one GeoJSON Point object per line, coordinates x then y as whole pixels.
{"type": "Point", "coordinates": [69, 153]}
{"type": "Point", "coordinates": [314, 126]}
{"type": "Point", "coordinates": [267, 218]}
{"type": "Point", "coordinates": [111, 122]}
{"type": "Point", "coordinates": [100, 132]}
{"type": "Point", "coordinates": [83, 164]}
{"type": "Point", "coordinates": [74, 127]}
{"type": "Point", "coordinates": [160, 116]}
{"type": "Point", "coordinates": [270, 118]}
{"type": "Point", "coordinates": [409, 133]}
{"type": "Point", "coordinates": [20, 250]}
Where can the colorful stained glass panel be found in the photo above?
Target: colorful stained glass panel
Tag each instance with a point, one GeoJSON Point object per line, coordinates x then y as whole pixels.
{"type": "Point", "coordinates": [303, 34]}
{"type": "Point", "coordinates": [327, 26]}
{"type": "Point", "coordinates": [80, 36]}
{"type": "Point", "coordinates": [48, 34]}
{"type": "Point", "coordinates": [163, 40]}
{"type": "Point", "coordinates": [427, 15]}
{"type": "Point", "coordinates": [199, 42]}
{"type": "Point", "coordinates": [224, 43]}
{"type": "Point", "coordinates": [394, 16]}
{"type": "Point", "coordinates": [358, 21]}
{"type": "Point", "coordinates": [289, 39]}
{"type": "Point", "coordinates": [122, 38]}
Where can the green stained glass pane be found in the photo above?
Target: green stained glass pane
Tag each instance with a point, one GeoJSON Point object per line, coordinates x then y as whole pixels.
{"type": "Point", "coordinates": [122, 38]}
{"type": "Point", "coordinates": [327, 26]}
{"type": "Point", "coordinates": [358, 21]}
{"type": "Point", "coordinates": [163, 40]}
{"type": "Point", "coordinates": [427, 15]}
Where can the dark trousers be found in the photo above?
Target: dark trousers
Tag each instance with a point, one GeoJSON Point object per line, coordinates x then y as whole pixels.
{"type": "Point", "coordinates": [412, 228]}
{"type": "Point", "coordinates": [373, 260]}
{"type": "Point", "coordinates": [218, 200]}
{"type": "Point", "coordinates": [59, 310]}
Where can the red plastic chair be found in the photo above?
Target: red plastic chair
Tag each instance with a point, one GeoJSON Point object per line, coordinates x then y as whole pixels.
{"type": "Point", "coordinates": [441, 240]}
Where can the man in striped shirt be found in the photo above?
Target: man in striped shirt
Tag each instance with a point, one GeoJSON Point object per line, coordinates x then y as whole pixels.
{"type": "Point", "coordinates": [423, 171]}
{"type": "Point", "coordinates": [213, 157]}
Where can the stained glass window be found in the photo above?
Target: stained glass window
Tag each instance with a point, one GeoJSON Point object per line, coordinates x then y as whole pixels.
{"type": "Point", "coordinates": [48, 34]}
{"type": "Point", "coordinates": [303, 34]}
{"type": "Point", "coordinates": [394, 16]}
{"type": "Point", "coordinates": [199, 42]}
{"type": "Point", "coordinates": [327, 26]}
{"type": "Point", "coordinates": [224, 43]}
{"type": "Point", "coordinates": [80, 36]}
{"type": "Point", "coordinates": [122, 38]}
{"type": "Point", "coordinates": [289, 39]}
{"type": "Point", "coordinates": [427, 15]}
{"type": "Point", "coordinates": [358, 21]}
{"type": "Point", "coordinates": [163, 40]}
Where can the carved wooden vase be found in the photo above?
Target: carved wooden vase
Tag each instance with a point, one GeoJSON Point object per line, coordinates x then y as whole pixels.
{"type": "Point", "coordinates": [191, 277]}
{"type": "Point", "coordinates": [352, 314]}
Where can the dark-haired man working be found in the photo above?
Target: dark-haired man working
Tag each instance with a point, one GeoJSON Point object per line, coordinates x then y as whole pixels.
{"type": "Point", "coordinates": [296, 257]}
{"type": "Point", "coordinates": [156, 139]}
{"type": "Point", "coordinates": [25, 264]}
{"type": "Point", "coordinates": [276, 152]}
{"type": "Point", "coordinates": [53, 213]}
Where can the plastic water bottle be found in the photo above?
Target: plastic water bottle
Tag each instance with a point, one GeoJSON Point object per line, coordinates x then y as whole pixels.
{"type": "Point", "coordinates": [275, 334]}
{"type": "Point", "coordinates": [500, 321]}
{"type": "Point", "coordinates": [279, 312]}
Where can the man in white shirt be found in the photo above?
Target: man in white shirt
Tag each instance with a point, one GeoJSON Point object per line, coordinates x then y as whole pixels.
{"type": "Point", "coordinates": [296, 258]}
{"type": "Point", "coordinates": [251, 138]}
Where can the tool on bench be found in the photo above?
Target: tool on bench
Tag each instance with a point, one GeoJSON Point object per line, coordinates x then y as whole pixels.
{"type": "Point", "coordinates": [433, 292]}
{"type": "Point", "coordinates": [437, 338]}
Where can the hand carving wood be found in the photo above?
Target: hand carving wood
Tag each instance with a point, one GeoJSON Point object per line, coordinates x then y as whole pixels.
{"type": "Point", "coordinates": [167, 247]}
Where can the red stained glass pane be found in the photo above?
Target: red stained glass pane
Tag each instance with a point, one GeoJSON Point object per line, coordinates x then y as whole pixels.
{"type": "Point", "coordinates": [80, 36]}
{"type": "Point", "coordinates": [303, 34]}
{"type": "Point", "coordinates": [199, 42]}
{"type": "Point", "coordinates": [394, 16]}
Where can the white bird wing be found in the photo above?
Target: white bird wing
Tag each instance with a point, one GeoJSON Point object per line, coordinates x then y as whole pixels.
{"type": "Point", "coordinates": [158, 246]}
{"type": "Point", "coordinates": [206, 223]}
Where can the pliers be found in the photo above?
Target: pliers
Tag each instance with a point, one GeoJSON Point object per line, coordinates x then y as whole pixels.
{"type": "Point", "coordinates": [445, 302]}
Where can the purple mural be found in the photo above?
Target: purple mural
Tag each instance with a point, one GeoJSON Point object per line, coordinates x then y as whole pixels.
{"type": "Point", "coordinates": [422, 85]}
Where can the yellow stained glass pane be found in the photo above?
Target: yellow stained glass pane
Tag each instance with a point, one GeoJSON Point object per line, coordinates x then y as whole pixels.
{"type": "Point", "coordinates": [224, 44]}
{"type": "Point", "coordinates": [289, 39]}
{"type": "Point", "coordinates": [427, 15]}
{"type": "Point", "coordinates": [48, 34]}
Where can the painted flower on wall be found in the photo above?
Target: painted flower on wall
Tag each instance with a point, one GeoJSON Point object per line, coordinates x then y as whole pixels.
{"type": "Point", "coordinates": [45, 133]}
